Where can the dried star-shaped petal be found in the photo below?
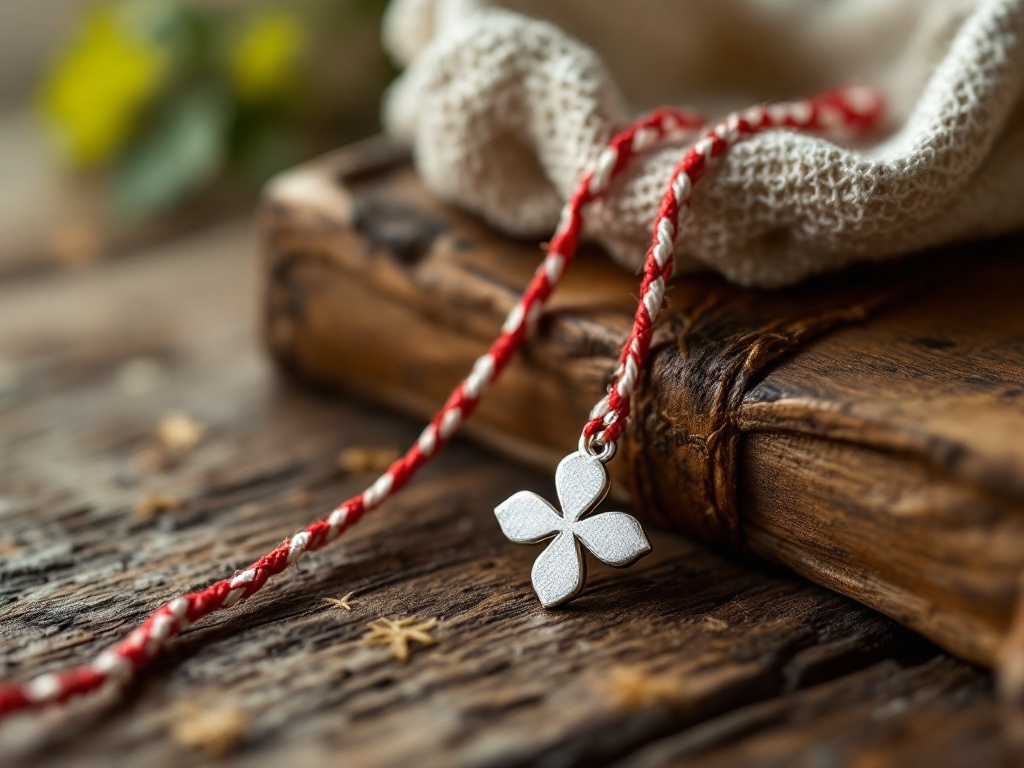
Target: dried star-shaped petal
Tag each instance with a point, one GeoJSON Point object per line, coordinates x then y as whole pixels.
{"type": "Point", "coordinates": [398, 634]}
{"type": "Point", "coordinates": [615, 538]}
{"type": "Point", "coordinates": [355, 460]}
{"type": "Point", "coordinates": [179, 433]}
{"type": "Point", "coordinates": [341, 602]}
{"type": "Point", "coordinates": [217, 732]}
{"type": "Point", "coordinates": [155, 503]}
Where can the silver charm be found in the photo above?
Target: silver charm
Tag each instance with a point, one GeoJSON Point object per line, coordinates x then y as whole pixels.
{"type": "Point", "coordinates": [615, 538]}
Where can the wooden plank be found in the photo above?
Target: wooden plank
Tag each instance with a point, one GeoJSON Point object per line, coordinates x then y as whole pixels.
{"type": "Point", "coordinates": [875, 717]}
{"type": "Point", "coordinates": [864, 430]}
{"type": "Point", "coordinates": [93, 360]}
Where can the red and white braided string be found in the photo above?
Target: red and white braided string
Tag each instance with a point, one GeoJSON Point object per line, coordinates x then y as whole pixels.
{"type": "Point", "coordinates": [847, 109]}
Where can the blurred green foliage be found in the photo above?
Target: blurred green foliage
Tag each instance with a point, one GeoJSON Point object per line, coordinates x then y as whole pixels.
{"type": "Point", "coordinates": [172, 98]}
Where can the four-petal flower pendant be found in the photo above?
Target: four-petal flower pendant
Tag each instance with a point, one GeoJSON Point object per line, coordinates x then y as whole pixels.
{"type": "Point", "coordinates": [560, 571]}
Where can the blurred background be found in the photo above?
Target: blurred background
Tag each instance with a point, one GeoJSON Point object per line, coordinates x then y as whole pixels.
{"type": "Point", "coordinates": [124, 122]}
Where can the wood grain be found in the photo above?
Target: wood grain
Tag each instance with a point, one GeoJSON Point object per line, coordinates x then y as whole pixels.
{"type": "Point", "coordinates": [863, 430]}
{"type": "Point", "coordinates": [735, 651]}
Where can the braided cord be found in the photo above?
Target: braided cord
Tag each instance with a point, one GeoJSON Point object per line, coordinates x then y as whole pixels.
{"type": "Point", "coordinates": [852, 109]}
{"type": "Point", "coordinates": [849, 109]}
{"type": "Point", "coordinates": [145, 643]}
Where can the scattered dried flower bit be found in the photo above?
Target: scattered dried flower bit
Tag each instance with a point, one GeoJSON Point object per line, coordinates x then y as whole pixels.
{"type": "Point", "coordinates": [155, 503]}
{"type": "Point", "coordinates": [356, 460]}
{"type": "Point", "coordinates": [398, 634]}
{"type": "Point", "coordinates": [633, 688]}
{"type": "Point", "coordinates": [715, 625]}
{"type": "Point", "coordinates": [341, 602]}
{"type": "Point", "coordinates": [217, 732]}
{"type": "Point", "coordinates": [299, 499]}
{"type": "Point", "coordinates": [179, 433]}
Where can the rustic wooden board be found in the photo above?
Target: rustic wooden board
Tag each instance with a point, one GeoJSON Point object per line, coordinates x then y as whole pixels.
{"type": "Point", "coordinates": [691, 653]}
{"type": "Point", "coordinates": [875, 717]}
{"type": "Point", "coordinates": [863, 430]}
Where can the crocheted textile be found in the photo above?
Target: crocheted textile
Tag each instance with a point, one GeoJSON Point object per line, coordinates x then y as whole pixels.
{"type": "Point", "coordinates": [506, 107]}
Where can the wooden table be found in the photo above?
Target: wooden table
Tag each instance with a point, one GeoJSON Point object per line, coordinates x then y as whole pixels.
{"type": "Point", "coordinates": [690, 656]}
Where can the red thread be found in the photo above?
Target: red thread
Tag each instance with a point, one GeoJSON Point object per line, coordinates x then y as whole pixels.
{"type": "Point", "coordinates": [835, 109]}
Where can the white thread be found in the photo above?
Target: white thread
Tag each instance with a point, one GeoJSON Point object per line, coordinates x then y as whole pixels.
{"type": "Point", "coordinates": [603, 172]}
{"type": "Point", "coordinates": [705, 147]}
{"type": "Point", "coordinates": [666, 231]}
{"type": "Point", "coordinates": [111, 664]}
{"type": "Point", "coordinates": [298, 546]}
{"type": "Point", "coordinates": [553, 266]}
{"type": "Point", "coordinates": [829, 117]}
{"type": "Point", "coordinates": [860, 99]}
{"type": "Point", "coordinates": [801, 112]}
{"type": "Point", "coordinates": [600, 408]}
{"type": "Point", "coordinates": [727, 131]}
{"type": "Point", "coordinates": [43, 688]}
{"type": "Point", "coordinates": [243, 578]}
{"type": "Point", "coordinates": [564, 220]}
{"type": "Point", "coordinates": [778, 113]}
{"type": "Point", "coordinates": [449, 423]}
{"type": "Point", "coordinates": [377, 492]}
{"type": "Point", "coordinates": [137, 638]}
{"type": "Point", "coordinates": [335, 521]}
{"type": "Point", "coordinates": [233, 597]}
{"type": "Point", "coordinates": [681, 188]}
{"type": "Point", "coordinates": [159, 630]}
{"type": "Point", "coordinates": [514, 319]}
{"type": "Point", "coordinates": [628, 378]}
{"type": "Point", "coordinates": [178, 606]}
{"type": "Point", "coordinates": [161, 626]}
{"type": "Point", "coordinates": [653, 297]}
{"type": "Point", "coordinates": [428, 440]}
{"type": "Point", "coordinates": [480, 376]}
{"type": "Point", "coordinates": [662, 250]}
{"type": "Point", "coordinates": [644, 138]}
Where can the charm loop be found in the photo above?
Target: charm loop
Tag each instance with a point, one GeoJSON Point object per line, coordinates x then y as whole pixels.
{"type": "Point", "coordinates": [596, 449]}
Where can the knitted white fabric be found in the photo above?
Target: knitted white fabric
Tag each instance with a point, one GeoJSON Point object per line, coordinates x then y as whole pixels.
{"type": "Point", "coordinates": [505, 108]}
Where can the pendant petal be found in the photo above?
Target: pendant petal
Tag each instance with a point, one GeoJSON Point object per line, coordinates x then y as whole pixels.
{"type": "Point", "coordinates": [582, 483]}
{"type": "Point", "coordinates": [613, 537]}
{"type": "Point", "coordinates": [560, 571]}
{"type": "Point", "coordinates": [526, 518]}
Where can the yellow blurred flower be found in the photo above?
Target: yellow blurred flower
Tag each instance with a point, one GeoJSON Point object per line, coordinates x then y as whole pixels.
{"type": "Point", "coordinates": [99, 86]}
{"type": "Point", "coordinates": [265, 56]}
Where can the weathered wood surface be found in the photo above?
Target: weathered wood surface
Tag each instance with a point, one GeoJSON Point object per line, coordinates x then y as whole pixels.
{"type": "Point", "coordinates": [723, 660]}
{"type": "Point", "coordinates": [871, 423]}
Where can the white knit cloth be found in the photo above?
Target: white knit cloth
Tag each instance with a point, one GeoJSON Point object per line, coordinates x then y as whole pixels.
{"type": "Point", "coordinates": [506, 107]}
